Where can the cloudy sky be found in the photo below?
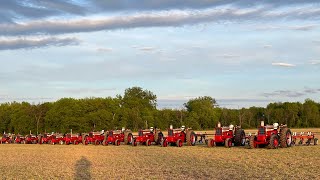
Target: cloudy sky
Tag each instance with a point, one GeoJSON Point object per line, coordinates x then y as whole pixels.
{"type": "Point", "coordinates": [241, 52]}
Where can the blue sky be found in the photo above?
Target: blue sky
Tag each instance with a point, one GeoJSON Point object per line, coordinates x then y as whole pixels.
{"type": "Point", "coordinates": [242, 53]}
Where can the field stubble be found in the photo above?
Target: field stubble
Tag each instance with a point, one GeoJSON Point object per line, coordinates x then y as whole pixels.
{"type": "Point", "coordinates": [127, 162]}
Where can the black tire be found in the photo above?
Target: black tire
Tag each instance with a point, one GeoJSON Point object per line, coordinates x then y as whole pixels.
{"type": "Point", "coordinates": [308, 142]}
{"type": "Point", "coordinates": [252, 143]}
{"type": "Point", "coordinates": [240, 138]}
{"type": "Point", "coordinates": [127, 134]}
{"type": "Point", "coordinates": [273, 142]}
{"type": "Point", "coordinates": [315, 141]}
{"type": "Point", "coordinates": [285, 138]}
{"type": "Point", "coordinates": [228, 143]}
{"type": "Point", "coordinates": [191, 138]}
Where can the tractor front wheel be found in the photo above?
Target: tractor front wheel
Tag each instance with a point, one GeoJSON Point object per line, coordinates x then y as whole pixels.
{"type": "Point", "coordinates": [210, 143]}
{"type": "Point", "coordinates": [228, 143]}
{"type": "Point", "coordinates": [134, 143]}
{"type": "Point", "coordinates": [315, 141]}
{"type": "Point", "coordinates": [164, 143]}
{"type": "Point", "coordinates": [117, 143]}
{"type": "Point", "coordinates": [148, 142]}
{"type": "Point", "coordinates": [96, 142]}
{"type": "Point", "coordinates": [179, 143]}
{"type": "Point", "coordinates": [274, 142]}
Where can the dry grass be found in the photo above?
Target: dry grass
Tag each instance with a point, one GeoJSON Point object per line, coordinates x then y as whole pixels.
{"type": "Point", "coordinates": [127, 162]}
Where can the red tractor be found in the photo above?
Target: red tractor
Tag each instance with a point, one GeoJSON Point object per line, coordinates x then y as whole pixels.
{"type": "Point", "coordinates": [115, 137]}
{"type": "Point", "coordinates": [227, 136]}
{"type": "Point", "coordinates": [57, 139]}
{"type": "Point", "coordinates": [148, 136]}
{"type": "Point", "coordinates": [73, 139]}
{"type": "Point", "coordinates": [271, 136]}
{"type": "Point", "coordinates": [45, 138]}
{"type": "Point", "coordinates": [6, 138]}
{"type": "Point", "coordinates": [179, 136]}
{"type": "Point", "coordinates": [31, 139]}
{"type": "Point", "coordinates": [95, 138]}
{"type": "Point", "coordinates": [19, 139]}
{"type": "Point", "coordinates": [309, 136]}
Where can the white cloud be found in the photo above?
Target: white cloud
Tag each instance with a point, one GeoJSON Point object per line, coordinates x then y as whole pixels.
{"type": "Point", "coordinates": [283, 64]}
{"type": "Point", "coordinates": [227, 56]}
{"type": "Point", "coordinates": [147, 48]}
{"type": "Point", "coordinates": [267, 46]}
{"type": "Point", "coordinates": [35, 42]}
{"type": "Point", "coordinates": [104, 49]}
{"type": "Point", "coordinates": [314, 62]}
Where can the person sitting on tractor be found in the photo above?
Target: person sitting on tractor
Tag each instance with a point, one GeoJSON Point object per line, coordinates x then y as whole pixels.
{"type": "Point", "coordinates": [151, 129]}
{"type": "Point", "coordinates": [183, 128]}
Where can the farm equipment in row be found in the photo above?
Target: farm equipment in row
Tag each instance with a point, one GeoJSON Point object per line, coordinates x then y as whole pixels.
{"type": "Point", "coordinates": [148, 136]}
{"type": "Point", "coordinates": [45, 138]}
{"type": "Point", "coordinates": [19, 139]}
{"type": "Point", "coordinates": [309, 137]}
{"type": "Point", "coordinates": [115, 137]}
{"type": "Point", "coordinates": [179, 136]}
{"type": "Point", "coordinates": [57, 139]}
{"type": "Point", "coordinates": [95, 138]}
{"type": "Point", "coordinates": [73, 139]}
{"type": "Point", "coordinates": [227, 136]}
{"type": "Point", "coordinates": [6, 138]}
{"type": "Point", "coordinates": [31, 139]}
{"type": "Point", "coordinates": [271, 136]}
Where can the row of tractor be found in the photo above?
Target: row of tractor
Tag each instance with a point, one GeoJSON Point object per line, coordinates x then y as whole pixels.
{"type": "Point", "coordinates": [270, 136]}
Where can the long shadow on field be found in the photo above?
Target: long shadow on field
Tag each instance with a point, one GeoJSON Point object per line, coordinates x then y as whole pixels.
{"type": "Point", "coordinates": [82, 167]}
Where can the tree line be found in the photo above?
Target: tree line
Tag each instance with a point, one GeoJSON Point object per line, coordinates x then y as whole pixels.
{"type": "Point", "coordinates": [137, 108]}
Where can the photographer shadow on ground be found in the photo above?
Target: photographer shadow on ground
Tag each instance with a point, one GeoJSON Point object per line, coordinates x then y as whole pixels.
{"type": "Point", "coordinates": [82, 169]}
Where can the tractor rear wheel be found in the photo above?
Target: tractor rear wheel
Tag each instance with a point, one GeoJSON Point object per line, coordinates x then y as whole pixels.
{"type": "Point", "coordinates": [84, 139]}
{"type": "Point", "coordinates": [158, 136]}
{"type": "Point", "coordinates": [228, 143]}
{"type": "Point", "coordinates": [210, 142]}
{"type": "Point", "coordinates": [240, 138]}
{"type": "Point", "coordinates": [128, 137]}
{"type": "Point", "coordinates": [191, 138]}
{"type": "Point", "coordinates": [285, 138]}
{"type": "Point", "coordinates": [308, 142]}
{"type": "Point", "coordinates": [273, 142]}
{"type": "Point", "coordinates": [315, 141]}
{"type": "Point", "coordinates": [40, 140]}
{"type": "Point", "coordinates": [252, 142]}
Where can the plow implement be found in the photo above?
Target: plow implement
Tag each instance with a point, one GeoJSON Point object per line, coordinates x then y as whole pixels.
{"type": "Point", "coordinates": [303, 138]}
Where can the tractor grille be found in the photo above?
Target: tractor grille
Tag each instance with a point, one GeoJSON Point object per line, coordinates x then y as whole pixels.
{"type": "Point", "coordinates": [262, 130]}
{"type": "Point", "coordinates": [140, 133]}
{"type": "Point", "coordinates": [170, 132]}
{"type": "Point", "coordinates": [218, 131]}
